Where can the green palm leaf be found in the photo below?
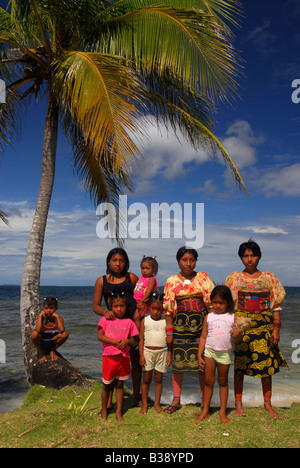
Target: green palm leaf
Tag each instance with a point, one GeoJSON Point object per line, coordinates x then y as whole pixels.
{"type": "Point", "coordinates": [97, 90]}
{"type": "Point", "coordinates": [191, 42]}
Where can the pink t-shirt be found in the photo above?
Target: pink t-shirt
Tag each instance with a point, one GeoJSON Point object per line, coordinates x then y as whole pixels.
{"type": "Point", "coordinates": [141, 287]}
{"type": "Point", "coordinates": [218, 336]}
{"type": "Point", "coordinates": [118, 329]}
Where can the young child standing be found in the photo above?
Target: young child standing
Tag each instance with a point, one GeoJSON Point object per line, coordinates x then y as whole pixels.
{"type": "Point", "coordinates": [155, 354]}
{"type": "Point", "coordinates": [145, 286]}
{"type": "Point", "coordinates": [50, 331]}
{"type": "Point", "coordinates": [116, 336]}
{"type": "Point", "coordinates": [215, 348]}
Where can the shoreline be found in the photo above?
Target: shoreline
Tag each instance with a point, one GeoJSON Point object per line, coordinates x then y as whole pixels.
{"type": "Point", "coordinates": [69, 418]}
{"type": "Point", "coordinates": [250, 399]}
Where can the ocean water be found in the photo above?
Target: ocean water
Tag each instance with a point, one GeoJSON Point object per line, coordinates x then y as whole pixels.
{"type": "Point", "coordinates": [83, 350]}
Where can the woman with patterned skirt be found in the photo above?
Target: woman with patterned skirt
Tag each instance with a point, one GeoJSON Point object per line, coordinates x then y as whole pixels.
{"type": "Point", "coordinates": [186, 302]}
{"type": "Point", "coordinates": [258, 296]}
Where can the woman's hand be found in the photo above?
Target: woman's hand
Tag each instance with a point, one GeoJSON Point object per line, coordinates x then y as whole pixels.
{"type": "Point", "coordinates": [275, 336]}
{"type": "Point", "coordinates": [109, 315]}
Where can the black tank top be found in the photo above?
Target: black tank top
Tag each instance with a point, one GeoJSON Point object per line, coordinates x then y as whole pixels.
{"type": "Point", "coordinates": [126, 286]}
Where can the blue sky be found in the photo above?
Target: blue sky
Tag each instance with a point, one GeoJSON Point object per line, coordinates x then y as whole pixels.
{"type": "Point", "coordinates": [261, 131]}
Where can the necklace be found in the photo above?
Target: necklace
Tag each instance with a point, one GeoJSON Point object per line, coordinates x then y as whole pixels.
{"type": "Point", "coordinates": [185, 281]}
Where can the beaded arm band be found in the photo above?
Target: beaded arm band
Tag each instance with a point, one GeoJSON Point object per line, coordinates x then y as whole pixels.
{"type": "Point", "coordinates": [277, 324]}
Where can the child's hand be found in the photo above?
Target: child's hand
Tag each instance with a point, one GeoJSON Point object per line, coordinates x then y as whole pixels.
{"type": "Point", "coordinates": [169, 360]}
{"type": "Point", "coordinates": [143, 362]}
{"type": "Point", "coordinates": [202, 364]}
{"type": "Point", "coordinates": [236, 333]}
{"type": "Point", "coordinates": [169, 340]}
{"type": "Point", "coordinates": [123, 344]}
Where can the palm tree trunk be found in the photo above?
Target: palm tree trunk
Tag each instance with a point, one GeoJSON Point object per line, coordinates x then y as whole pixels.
{"type": "Point", "coordinates": [30, 301]}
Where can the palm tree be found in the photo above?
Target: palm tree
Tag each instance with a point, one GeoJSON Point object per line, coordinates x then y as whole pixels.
{"type": "Point", "coordinates": [102, 65]}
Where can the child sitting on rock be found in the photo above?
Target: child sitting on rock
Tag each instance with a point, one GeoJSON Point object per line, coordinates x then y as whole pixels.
{"type": "Point", "coordinates": [50, 331]}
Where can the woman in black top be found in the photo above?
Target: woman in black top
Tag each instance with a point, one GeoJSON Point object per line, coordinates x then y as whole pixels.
{"type": "Point", "coordinates": [118, 279]}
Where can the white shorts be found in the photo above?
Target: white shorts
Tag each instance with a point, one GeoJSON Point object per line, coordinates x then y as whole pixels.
{"type": "Point", "coordinates": [156, 359]}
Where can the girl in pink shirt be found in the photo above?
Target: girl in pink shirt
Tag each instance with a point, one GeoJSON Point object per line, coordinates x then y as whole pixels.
{"type": "Point", "coordinates": [116, 336]}
{"type": "Point", "coordinates": [146, 285]}
{"type": "Point", "coordinates": [215, 348]}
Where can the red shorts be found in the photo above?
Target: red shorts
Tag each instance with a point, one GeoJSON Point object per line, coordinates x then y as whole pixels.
{"type": "Point", "coordinates": [115, 367]}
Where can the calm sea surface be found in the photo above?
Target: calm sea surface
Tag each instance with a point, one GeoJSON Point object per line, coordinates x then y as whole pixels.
{"type": "Point", "coordinates": [84, 351]}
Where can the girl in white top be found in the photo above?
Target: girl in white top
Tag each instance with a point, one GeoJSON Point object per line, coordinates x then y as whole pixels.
{"type": "Point", "coordinates": [215, 348]}
{"type": "Point", "coordinates": [155, 354]}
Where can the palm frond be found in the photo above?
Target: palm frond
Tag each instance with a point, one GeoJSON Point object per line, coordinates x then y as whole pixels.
{"type": "Point", "coordinates": [100, 178]}
{"type": "Point", "coordinates": [9, 120]}
{"type": "Point", "coordinates": [174, 90]}
{"type": "Point", "coordinates": [195, 132]}
{"type": "Point", "coordinates": [42, 30]}
{"type": "Point", "coordinates": [187, 41]}
{"type": "Point", "coordinates": [97, 91]}
{"type": "Point", "coordinates": [3, 217]}
{"type": "Point", "coordinates": [228, 10]}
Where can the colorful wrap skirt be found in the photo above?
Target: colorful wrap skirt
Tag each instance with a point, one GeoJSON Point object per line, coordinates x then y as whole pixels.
{"type": "Point", "coordinates": [256, 354]}
{"type": "Point", "coordinates": [188, 325]}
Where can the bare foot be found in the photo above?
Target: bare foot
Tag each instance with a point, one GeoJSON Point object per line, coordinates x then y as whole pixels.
{"type": "Point", "coordinates": [53, 356]}
{"type": "Point", "coordinates": [224, 419]}
{"type": "Point", "coordinates": [205, 414]}
{"type": "Point", "coordinates": [158, 408]}
{"type": "Point", "coordinates": [104, 414]}
{"type": "Point", "coordinates": [119, 417]}
{"type": "Point", "coordinates": [144, 409]}
{"type": "Point", "coordinates": [272, 412]}
{"type": "Point", "coordinates": [43, 359]}
{"type": "Point", "coordinates": [239, 410]}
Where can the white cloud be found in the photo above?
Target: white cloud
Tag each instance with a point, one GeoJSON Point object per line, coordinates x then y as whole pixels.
{"type": "Point", "coordinates": [209, 188]}
{"type": "Point", "coordinates": [261, 229]}
{"type": "Point", "coordinates": [167, 154]}
{"type": "Point", "coordinates": [281, 181]}
{"type": "Point", "coordinates": [171, 156]}
{"type": "Point", "coordinates": [241, 144]}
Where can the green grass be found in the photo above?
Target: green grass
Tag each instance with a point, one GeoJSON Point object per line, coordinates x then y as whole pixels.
{"type": "Point", "coordinates": [69, 418]}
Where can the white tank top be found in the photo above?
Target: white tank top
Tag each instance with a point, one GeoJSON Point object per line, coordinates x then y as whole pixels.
{"type": "Point", "coordinates": [155, 332]}
{"type": "Point", "coordinates": [218, 336]}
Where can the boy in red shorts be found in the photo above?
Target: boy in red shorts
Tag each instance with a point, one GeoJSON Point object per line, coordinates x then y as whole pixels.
{"type": "Point", "coordinates": [116, 336]}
